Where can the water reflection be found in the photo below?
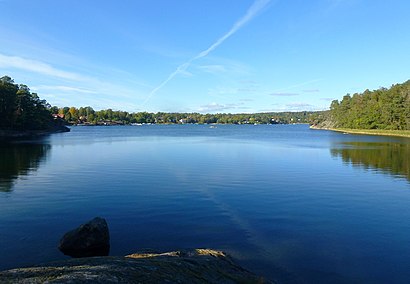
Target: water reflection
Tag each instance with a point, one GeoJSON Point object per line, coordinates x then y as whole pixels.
{"type": "Point", "coordinates": [390, 158]}
{"type": "Point", "coordinates": [19, 159]}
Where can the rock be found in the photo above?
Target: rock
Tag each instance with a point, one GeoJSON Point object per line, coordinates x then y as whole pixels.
{"type": "Point", "coordinates": [193, 266]}
{"type": "Point", "coordinates": [89, 239]}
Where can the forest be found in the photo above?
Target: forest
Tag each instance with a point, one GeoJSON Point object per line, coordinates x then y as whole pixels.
{"type": "Point", "coordinates": [384, 108]}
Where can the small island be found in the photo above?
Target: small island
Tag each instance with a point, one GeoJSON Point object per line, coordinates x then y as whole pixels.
{"type": "Point", "coordinates": [24, 114]}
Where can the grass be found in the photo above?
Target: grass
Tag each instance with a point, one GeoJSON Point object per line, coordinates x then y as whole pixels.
{"type": "Point", "coordinates": [399, 133]}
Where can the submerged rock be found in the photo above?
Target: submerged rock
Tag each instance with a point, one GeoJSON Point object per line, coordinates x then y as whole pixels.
{"type": "Point", "coordinates": [193, 266]}
{"type": "Point", "coordinates": [89, 239]}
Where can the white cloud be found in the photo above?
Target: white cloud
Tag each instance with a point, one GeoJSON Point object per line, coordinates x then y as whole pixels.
{"type": "Point", "coordinates": [71, 88]}
{"type": "Point", "coordinates": [36, 67]}
{"type": "Point", "coordinates": [284, 94]}
{"type": "Point", "coordinates": [327, 99]}
{"type": "Point", "coordinates": [299, 106]}
{"type": "Point", "coordinates": [297, 85]}
{"type": "Point", "coordinates": [186, 73]}
{"type": "Point", "coordinates": [63, 89]}
{"type": "Point", "coordinates": [293, 106]}
{"type": "Point", "coordinates": [247, 90]}
{"type": "Point", "coordinates": [233, 89]}
{"type": "Point", "coordinates": [221, 91]}
{"type": "Point", "coordinates": [213, 69]}
{"type": "Point", "coordinates": [311, 91]}
{"type": "Point", "coordinates": [215, 107]}
{"type": "Point", "coordinates": [224, 67]}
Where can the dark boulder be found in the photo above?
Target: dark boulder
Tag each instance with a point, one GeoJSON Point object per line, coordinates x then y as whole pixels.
{"type": "Point", "coordinates": [89, 239]}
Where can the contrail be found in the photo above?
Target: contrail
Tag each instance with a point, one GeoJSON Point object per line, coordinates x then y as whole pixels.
{"type": "Point", "coordinates": [257, 6]}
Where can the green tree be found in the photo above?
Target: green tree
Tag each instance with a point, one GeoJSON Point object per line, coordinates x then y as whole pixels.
{"type": "Point", "coordinates": [21, 109]}
{"type": "Point", "coordinates": [8, 92]}
{"type": "Point", "coordinates": [379, 109]}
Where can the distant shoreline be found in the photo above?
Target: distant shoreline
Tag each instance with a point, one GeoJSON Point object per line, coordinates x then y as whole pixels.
{"type": "Point", "coordinates": [378, 132]}
{"type": "Point", "coordinates": [153, 123]}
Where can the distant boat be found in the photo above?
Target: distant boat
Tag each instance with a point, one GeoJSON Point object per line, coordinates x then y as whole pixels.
{"type": "Point", "coordinates": [212, 126]}
{"type": "Point", "coordinates": [136, 124]}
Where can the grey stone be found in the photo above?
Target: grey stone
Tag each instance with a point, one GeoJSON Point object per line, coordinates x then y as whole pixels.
{"type": "Point", "coordinates": [89, 239]}
{"type": "Point", "coordinates": [193, 266]}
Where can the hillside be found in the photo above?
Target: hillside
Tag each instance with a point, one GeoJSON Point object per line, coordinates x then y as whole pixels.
{"type": "Point", "coordinates": [384, 109]}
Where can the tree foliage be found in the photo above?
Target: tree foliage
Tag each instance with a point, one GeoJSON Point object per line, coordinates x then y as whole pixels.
{"type": "Point", "coordinates": [379, 109]}
{"type": "Point", "coordinates": [87, 115]}
{"type": "Point", "coordinates": [21, 109]}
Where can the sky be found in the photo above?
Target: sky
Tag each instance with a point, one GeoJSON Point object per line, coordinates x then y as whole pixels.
{"type": "Point", "coordinates": [207, 56]}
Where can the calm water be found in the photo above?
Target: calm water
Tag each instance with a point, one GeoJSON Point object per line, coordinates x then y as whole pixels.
{"type": "Point", "coordinates": [293, 204]}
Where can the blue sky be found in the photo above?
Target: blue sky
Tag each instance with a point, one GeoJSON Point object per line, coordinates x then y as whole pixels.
{"type": "Point", "coordinates": [204, 55]}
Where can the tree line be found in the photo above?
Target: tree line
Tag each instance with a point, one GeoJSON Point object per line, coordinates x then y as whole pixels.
{"type": "Point", "coordinates": [384, 108]}
{"type": "Point", "coordinates": [21, 109]}
{"type": "Point", "coordinates": [87, 115]}
{"type": "Point", "coordinates": [379, 109]}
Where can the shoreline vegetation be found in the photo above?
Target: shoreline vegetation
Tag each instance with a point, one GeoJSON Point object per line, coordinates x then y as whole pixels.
{"type": "Point", "coordinates": [88, 116]}
{"type": "Point", "coordinates": [384, 112]}
{"type": "Point", "coordinates": [24, 114]}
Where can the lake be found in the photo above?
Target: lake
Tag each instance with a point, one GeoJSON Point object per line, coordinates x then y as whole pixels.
{"type": "Point", "coordinates": [290, 203]}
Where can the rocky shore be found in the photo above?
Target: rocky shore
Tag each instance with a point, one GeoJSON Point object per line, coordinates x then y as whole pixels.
{"type": "Point", "coordinates": [377, 132]}
{"type": "Point", "coordinates": [16, 134]}
{"type": "Point", "coordinates": [89, 244]}
{"type": "Point", "coordinates": [190, 266]}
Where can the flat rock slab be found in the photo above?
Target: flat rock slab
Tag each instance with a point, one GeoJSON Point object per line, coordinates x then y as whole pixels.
{"type": "Point", "coordinates": [193, 266]}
